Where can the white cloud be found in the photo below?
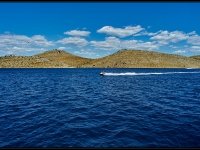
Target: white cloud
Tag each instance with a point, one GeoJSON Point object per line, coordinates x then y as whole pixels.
{"type": "Point", "coordinates": [166, 37]}
{"type": "Point", "coordinates": [192, 33]}
{"type": "Point", "coordinates": [195, 50]}
{"type": "Point", "coordinates": [113, 43]}
{"type": "Point", "coordinates": [172, 46]}
{"type": "Point", "coordinates": [77, 33]}
{"type": "Point", "coordinates": [110, 43]}
{"type": "Point", "coordinates": [11, 43]}
{"type": "Point", "coordinates": [120, 32]}
{"type": "Point", "coordinates": [22, 40]}
{"type": "Point", "coordinates": [194, 40]}
{"type": "Point", "coordinates": [147, 46]}
{"type": "Point", "coordinates": [22, 51]}
{"type": "Point", "coordinates": [145, 33]}
{"type": "Point", "coordinates": [61, 48]}
{"type": "Point", "coordinates": [77, 41]}
{"type": "Point", "coordinates": [86, 53]}
{"type": "Point", "coordinates": [13, 40]}
{"type": "Point", "coordinates": [195, 47]}
{"type": "Point", "coordinates": [41, 41]}
{"type": "Point", "coordinates": [180, 51]}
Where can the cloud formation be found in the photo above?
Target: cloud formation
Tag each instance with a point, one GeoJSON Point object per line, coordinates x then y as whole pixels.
{"type": "Point", "coordinates": [180, 51]}
{"type": "Point", "coordinates": [120, 32]}
{"type": "Point", "coordinates": [11, 43]}
{"type": "Point", "coordinates": [129, 37]}
{"type": "Point", "coordinates": [166, 37]}
{"type": "Point", "coordinates": [194, 39]}
{"type": "Point", "coordinates": [77, 41]}
{"type": "Point", "coordinates": [78, 33]}
{"type": "Point", "coordinates": [111, 43]}
{"type": "Point", "coordinates": [88, 53]}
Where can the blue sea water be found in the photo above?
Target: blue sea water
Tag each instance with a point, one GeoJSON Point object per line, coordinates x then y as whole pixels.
{"type": "Point", "coordinates": [80, 108]}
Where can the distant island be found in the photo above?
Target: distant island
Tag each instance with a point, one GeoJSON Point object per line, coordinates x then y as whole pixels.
{"type": "Point", "coordinates": [120, 59]}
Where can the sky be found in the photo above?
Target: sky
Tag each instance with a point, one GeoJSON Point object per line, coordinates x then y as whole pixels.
{"type": "Point", "coordinates": [98, 29]}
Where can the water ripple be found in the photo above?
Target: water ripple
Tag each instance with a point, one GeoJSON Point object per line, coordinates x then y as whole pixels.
{"type": "Point", "coordinates": [79, 108]}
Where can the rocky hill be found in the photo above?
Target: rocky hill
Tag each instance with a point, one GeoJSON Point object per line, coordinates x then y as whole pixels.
{"type": "Point", "coordinates": [120, 59]}
{"type": "Point", "coordinates": [196, 57]}
{"type": "Point", "coordinates": [48, 59]}
{"type": "Point", "coordinates": [143, 59]}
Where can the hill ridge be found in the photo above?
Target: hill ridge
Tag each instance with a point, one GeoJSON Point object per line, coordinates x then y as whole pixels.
{"type": "Point", "coordinates": [124, 58]}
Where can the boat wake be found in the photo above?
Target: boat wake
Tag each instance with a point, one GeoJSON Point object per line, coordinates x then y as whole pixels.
{"type": "Point", "coordinates": [191, 68]}
{"type": "Point", "coordinates": [137, 74]}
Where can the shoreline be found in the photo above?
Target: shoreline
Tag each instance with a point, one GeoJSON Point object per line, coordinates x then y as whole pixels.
{"type": "Point", "coordinates": [96, 68]}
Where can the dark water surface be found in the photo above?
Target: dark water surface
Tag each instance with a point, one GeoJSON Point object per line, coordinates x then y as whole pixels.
{"type": "Point", "coordinates": [80, 108]}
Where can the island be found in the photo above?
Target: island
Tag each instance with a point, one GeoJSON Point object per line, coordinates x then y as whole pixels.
{"type": "Point", "coordinates": [121, 59]}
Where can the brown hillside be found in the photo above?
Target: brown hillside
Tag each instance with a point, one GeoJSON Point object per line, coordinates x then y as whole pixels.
{"type": "Point", "coordinates": [143, 59]}
{"type": "Point", "coordinates": [121, 59]}
{"type": "Point", "coordinates": [49, 59]}
{"type": "Point", "coordinates": [196, 57]}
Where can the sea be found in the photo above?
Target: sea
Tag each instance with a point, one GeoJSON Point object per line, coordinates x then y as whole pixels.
{"type": "Point", "coordinates": [124, 108]}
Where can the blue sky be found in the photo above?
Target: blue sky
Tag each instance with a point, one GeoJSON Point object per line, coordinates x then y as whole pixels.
{"type": "Point", "coordinates": [98, 29]}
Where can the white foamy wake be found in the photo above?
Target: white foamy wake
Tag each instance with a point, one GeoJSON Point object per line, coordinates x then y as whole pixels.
{"type": "Point", "coordinates": [191, 68]}
{"type": "Point", "coordinates": [137, 74]}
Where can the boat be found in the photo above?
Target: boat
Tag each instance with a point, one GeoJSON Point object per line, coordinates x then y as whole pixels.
{"type": "Point", "coordinates": [102, 73]}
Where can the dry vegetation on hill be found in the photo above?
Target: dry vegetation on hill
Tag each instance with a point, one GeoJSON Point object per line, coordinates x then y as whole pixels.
{"type": "Point", "coordinates": [48, 59]}
{"type": "Point", "coordinates": [196, 57]}
{"type": "Point", "coordinates": [143, 59]}
{"type": "Point", "coordinates": [121, 59]}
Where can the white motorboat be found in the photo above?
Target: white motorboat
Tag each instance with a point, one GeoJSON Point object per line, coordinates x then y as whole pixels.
{"type": "Point", "coordinates": [102, 73]}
